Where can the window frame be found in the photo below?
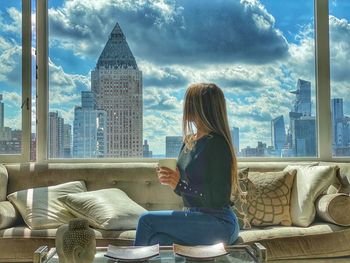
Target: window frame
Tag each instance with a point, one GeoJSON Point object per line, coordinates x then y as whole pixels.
{"type": "Point", "coordinates": [322, 80]}
{"type": "Point", "coordinates": [24, 156]}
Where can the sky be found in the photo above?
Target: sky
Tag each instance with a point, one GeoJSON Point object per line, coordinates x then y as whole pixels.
{"type": "Point", "coordinates": [254, 50]}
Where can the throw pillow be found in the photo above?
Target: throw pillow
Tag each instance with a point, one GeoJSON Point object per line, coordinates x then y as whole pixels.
{"type": "Point", "coordinates": [8, 215]}
{"type": "Point", "coordinates": [239, 200]}
{"type": "Point", "coordinates": [309, 183]}
{"type": "Point", "coordinates": [41, 208]}
{"type": "Point", "coordinates": [3, 182]}
{"type": "Point", "coordinates": [334, 208]}
{"type": "Point", "coordinates": [268, 198]}
{"type": "Point", "coordinates": [109, 209]}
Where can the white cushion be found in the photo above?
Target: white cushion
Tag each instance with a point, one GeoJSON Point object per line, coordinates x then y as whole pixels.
{"type": "Point", "coordinates": [309, 184]}
{"type": "Point", "coordinates": [40, 207]}
{"type": "Point", "coordinates": [331, 207]}
{"type": "Point", "coordinates": [3, 182]}
{"type": "Point", "coordinates": [109, 209]}
{"type": "Point", "coordinates": [8, 215]}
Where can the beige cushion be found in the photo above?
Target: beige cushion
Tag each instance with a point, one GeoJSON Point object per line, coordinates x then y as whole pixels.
{"type": "Point", "coordinates": [269, 198]}
{"type": "Point", "coordinates": [334, 208]}
{"type": "Point", "coordinates": [8, 215]}
{"type": "Point", "coordinates": [316, 241]}
{"type": "Point", "coordinates": [309, 183]}
{"type": "Point", "coordinates": [40, 207]}
{"type": "Point", "coordinates": [109, 209]}
{"type": "Point", "coordinates": [240, 205]}
{"type": "Point", "coordinates": [3, 182]}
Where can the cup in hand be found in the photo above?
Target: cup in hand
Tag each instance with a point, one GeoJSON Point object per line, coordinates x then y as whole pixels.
{"type": "Point", "coordinates": [169, 163]}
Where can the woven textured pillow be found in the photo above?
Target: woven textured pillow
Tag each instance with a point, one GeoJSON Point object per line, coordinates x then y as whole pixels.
{"type": "Point", "coordinates": [240, 207]}
{"type": "Point", "coordinates": [268, 198]}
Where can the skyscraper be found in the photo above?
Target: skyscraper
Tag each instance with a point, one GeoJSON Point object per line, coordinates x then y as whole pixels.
{"type": "Point", "coordinates": [278, 133]}
{"type": "Point", "coordinates": [337, 122]}
{"type": "Point", "coordinates": [67, 141]}
{"type": "Point", "coordinates": [173, 146]}
{"type": "Point", "coordinates": [302, 103]}
{"type": "Point", "coordinates": [89, 128]}
{"type": "Point", "coordinates": [1, 114]}
{"type": "Point", "coordinates": [302, 125]}
{"type": "Point", "coordinates": [146, 152]}
{"type": "Point", "coordinates": [56, 124]}
{"type": "Point", "coordinates": [304, 136]}
{"type": "Point", "coordinates": [117, 83]}
{"type": "Point", "coordinates": [235, 138]}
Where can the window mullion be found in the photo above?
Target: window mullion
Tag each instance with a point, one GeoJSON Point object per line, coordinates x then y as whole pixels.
{"type": "Point", "coordinates": [26, 79]}
{"type": "Point", "coordinates": [42, 78]}
{"type": "Point", "coordinates": [323, 80]}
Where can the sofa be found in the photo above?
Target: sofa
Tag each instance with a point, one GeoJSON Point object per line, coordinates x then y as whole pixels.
{"type": "Point", "coordinates": [139, 182]}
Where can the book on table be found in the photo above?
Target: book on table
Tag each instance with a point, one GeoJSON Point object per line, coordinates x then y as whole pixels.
{"type": "Point", "coordinates": [132, 253]}
{"type": "Point", "coordinates": [205, 252]}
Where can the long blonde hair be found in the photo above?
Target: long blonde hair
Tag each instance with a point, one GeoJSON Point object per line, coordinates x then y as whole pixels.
{"type": "Point", "coordinates": [205, 106]}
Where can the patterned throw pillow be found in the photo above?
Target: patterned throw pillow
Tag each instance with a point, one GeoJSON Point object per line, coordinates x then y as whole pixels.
{"type": "Point", "coordinates": [239, 199]}
{"type": "Point", "coordinates": [269, 197]}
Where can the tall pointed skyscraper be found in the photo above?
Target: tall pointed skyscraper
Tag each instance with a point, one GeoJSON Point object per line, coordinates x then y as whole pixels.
{"type": "Point", "coordinates": [302, 103]}
{"type": "Point", "coordinates": [117, 84]}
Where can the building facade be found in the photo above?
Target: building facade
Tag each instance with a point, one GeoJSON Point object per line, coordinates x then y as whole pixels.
{"type": "Point", "coordinates": [56, 131]}
{"type": "Point", "coordinates": [146, 152]}
{"type": "Point", "coordinates": [67, 141]}
{"type": "Point", "coordinates": [2, 113]}
{"type": "Point", "coordinates": [278, 133]}
{"type": "Point", "coordinates": [117, 84]}
{"type": "Point", "coordinates": [302, 103]}
{"type": "Point", "coordinates": [302, 124]}
{"type": "Point", "coordinates": [173, 146]}
{"type": "Point", "coordinates": [235, 139]}
{"type": "Point", "coordinates": [89, 129]}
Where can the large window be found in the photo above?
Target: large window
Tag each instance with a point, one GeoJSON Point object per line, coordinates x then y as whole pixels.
{"type": "Point", "coordinates": [118, 73]}
{"type": "Point", "coordinates": [339, 29]}
{"type": "Point", "coordinates": [14, 81]}
{"type": "Point", "coordinates": [111, 77]}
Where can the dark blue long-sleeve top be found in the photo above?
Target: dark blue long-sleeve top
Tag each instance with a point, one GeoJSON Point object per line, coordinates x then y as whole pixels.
{"type": "Point", "coordinates": [205, 173]}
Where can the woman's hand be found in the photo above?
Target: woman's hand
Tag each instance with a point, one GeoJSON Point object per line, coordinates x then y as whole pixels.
{"type": "Point", "coordinates": [168, 176]}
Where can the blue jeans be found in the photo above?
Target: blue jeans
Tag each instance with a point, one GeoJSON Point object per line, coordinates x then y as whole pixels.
{"type": "Point", "coordinates": [192, 227]}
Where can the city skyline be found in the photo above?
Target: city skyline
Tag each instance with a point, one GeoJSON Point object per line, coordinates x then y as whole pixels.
{"type": "Point", "coordinates": [255, 73]}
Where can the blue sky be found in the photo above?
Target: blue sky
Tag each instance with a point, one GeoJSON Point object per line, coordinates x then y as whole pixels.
{"type": "Point", "coordinates": [255, 50]}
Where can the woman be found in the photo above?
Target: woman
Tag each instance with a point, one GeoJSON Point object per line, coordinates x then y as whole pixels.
{"type": "Point", "coordinates": [206, 170]}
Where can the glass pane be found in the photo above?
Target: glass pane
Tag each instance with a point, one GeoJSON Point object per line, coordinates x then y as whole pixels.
{"type": "Point", "coordinates": [33, 135]}
{"type": "Point", "coordinates": [10, 77]}
{"type": "Point", "coordinates": [119, 72]}
{"type": "Point", "coordinates": [339, 31]}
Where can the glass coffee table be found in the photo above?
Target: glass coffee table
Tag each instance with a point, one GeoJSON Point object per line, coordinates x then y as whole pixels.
{"type": "Point", "coordinates": [255, 253]}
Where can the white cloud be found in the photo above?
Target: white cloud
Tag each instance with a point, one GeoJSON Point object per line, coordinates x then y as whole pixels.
{"type": "Point", "coordinates": [10, 61]}
{"type": "Point", "coordinates": [15, 24]}
{"type": "Point", "coordinates": [64, 87]}
{"type": "Point", "coordinates": [13, 99]}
